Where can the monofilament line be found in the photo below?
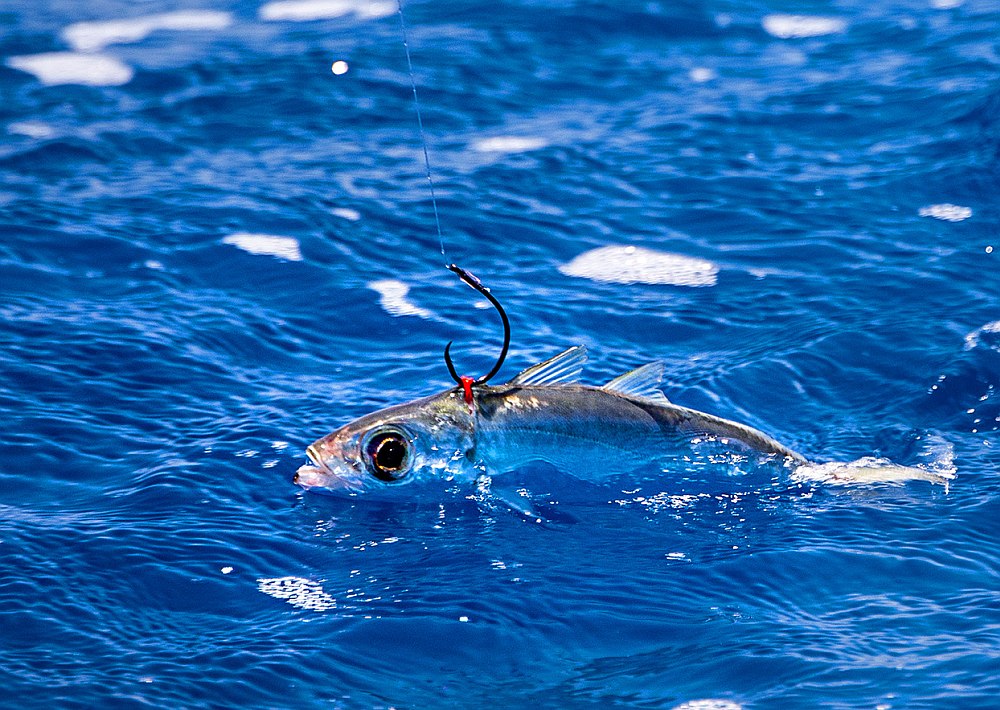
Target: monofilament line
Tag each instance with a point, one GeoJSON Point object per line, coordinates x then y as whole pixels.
{"type": "Point", "coordinates": [420, 126]}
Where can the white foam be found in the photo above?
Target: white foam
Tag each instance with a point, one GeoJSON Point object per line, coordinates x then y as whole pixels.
{"type": "Point", "coordinates": [709, 704]}
{"type": "Point", "coordinates": [799, 26]}
{"type": "Point", "coordinates": [94, 36]}
{"type": "Point", "coordinates": [297, 591]}
{"type": "Point", "coordinates": [990, 333]}
{"type": "Point", "coordinates": [32, 129]}
{"type": "Point", "coordinates": [305, 10]}
{"type": "Point", "coordinates": [266, 244]}
{"type": "Point", "coordinates": [346, 213]}
{"type": "Point", "coordinates": [392, 297]}
{"type": "Point", "coordinates": [509, 144]}
{"type": "Point", "coordinates": [53, 68]}
{"type": "Point", "coordinates": [870, 469]}
{"type": "Point", "coordinates": [946, 212]}
{"type": "Point", "coordinates": [629, 264]}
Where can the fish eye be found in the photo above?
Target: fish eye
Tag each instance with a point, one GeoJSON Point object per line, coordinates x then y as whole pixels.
{"type": "Point", "coordinates": [388, 455]}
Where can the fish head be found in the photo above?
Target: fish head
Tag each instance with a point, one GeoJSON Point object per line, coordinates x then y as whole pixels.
{"type": "Point", "coordinates": [429, 439]}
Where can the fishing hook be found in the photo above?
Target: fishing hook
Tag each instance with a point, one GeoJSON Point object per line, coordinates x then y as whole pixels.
{"type": "Point", "coordinates": [475, 283]}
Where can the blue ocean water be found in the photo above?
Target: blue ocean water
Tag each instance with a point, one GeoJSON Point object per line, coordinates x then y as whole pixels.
{"type": "Point", "coordinates": [216, 250]}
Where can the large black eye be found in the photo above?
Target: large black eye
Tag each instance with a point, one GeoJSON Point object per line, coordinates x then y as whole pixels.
{"type": "Point", "coordinates": [387, 455]}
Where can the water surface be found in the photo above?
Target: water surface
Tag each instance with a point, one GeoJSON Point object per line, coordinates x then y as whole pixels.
{"type": "Point", "coordinates": [216, 250]}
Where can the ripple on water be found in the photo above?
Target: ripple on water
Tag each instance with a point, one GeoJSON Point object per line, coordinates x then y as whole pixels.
{"type": "Point", "coordinates": [630, 264]}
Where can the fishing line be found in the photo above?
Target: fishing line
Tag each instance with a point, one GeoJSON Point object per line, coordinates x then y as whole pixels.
{"type": "Point", "coordinates": [420, 126]}
{"type": "Point", "coordinates": [464, 381]}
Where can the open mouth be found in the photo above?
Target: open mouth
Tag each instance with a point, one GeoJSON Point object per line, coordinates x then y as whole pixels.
{"type": "Point", "coordinates": [319, 475]}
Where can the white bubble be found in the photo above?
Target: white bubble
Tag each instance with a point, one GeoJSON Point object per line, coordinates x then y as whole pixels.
{"type": "Point", "coordinates": [53, 68]}
{"type": "Point", "coordinates": [989, 250]}
{"type": "Point", "coordinates": [339, 67]}
{"type": "Point", "coordinates": [630, 264]}
{"type": "Point", "coordinates": [799, 26]}
{"type": "Point", "coordinates": [226, 570]}
{"type": "Point", "coordinates": [266, 244]}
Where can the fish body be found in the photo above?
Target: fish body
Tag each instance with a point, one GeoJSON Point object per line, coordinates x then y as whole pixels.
{"type": "Point", "coordinates": [540, 415]}
{"type": "Point", "coordinates": [575, 426]}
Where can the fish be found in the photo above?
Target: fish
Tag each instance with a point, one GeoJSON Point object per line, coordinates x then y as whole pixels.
{"type": "Point", "coordinates": [544, 414]}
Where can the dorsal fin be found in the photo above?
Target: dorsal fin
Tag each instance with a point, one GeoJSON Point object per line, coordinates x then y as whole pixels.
{"type": "Point", "coordinates": [559, 370]}
{"type": "Point", "coordinates": [643, 382]}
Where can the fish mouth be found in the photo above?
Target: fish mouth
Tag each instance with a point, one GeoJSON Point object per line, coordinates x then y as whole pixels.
{"type": "Point", "coordinates": [319, 475]}
{"type": "Point", "coordinates": [314, 456]}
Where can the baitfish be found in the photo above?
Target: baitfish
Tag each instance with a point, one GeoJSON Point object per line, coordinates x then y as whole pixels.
{"type": "Point", "coordinates": [542, 414]}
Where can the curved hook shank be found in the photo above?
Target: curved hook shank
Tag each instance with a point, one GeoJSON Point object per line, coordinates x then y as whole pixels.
{"type": "Point", "coordinates": [476, 284]}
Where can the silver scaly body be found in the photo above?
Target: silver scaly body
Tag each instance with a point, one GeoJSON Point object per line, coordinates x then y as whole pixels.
{"type": "Point", "coordinates": [542, 414]}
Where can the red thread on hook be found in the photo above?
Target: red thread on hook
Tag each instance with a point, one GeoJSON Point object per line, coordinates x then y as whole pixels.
{"type": "Point", "coordinates": [467, 383]}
